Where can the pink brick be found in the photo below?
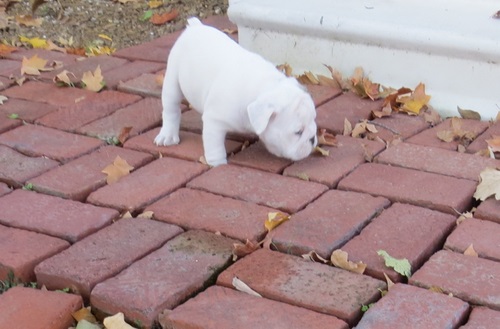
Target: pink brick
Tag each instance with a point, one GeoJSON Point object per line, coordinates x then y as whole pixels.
{"type": "Point", "coordinates": [16, 168]}
{"type": "Point", "coordinates": [147, 184]}
{"type": "Point", "coordinates": [129, 71]}
{"type": "Point", "coordinates": [34, 309]}
{"type": "Point", "coordinates": [7, 124]}
{"type": "Point", "coordinates": [8, 67]}
{"type": "Point", "coordinates": [327, 223]}
{"type": "Point", "coordinates": [436, 160]}
{"type": "Point", "coordinates": [4, 189]}
{"type": "Point", "coordinates": [49, 55]}
{"type": "Point", "coordinates": [489, 210]}
{"type": "Point", "coordinates": [26, 110]}
{"type": "Point", "coordinates": [429, 136]}
{"type": "Point", "coordinates": [482, 318]}
{"type": "Point", "coordinates": [66, 219]}
{"type": "Point", "coordinates": [403, 231]}
{"type": "Point", "coordinates": [322, 94]}
{"type": "Point", "coordinates": [193, 209]}
{"type": "Point", "coordinates": [36, 141]}
{"type": "Point", "coordinates": [469, 278]}
{"type": "Point", "coordinates": [223, 308]}
{"type": "Point", "coordinates": [21, 251]}
{"type": "Point", "coordinates": [275, 191]}
{"type": "Point", "coordinates": [480, 142]}
{"type": "Point", "coordinates": [442, 193]}
{"type": "Point", "coordinates": [103, 254]}
{"type": "Point", "coordinates": [399, 125]}
{"type": "Point", "coordinates": [147, 52]}
{"type": "Point", "coordinates": [342, 159]}
{"type": "Point", "coordinates": [190, 148]}
{"type": "Point", "coordinates": [141, 116]}
{"type": "Point", "coordinates": [144, 85]}
{"type": "Point", "coordinates": [314, 286]}
{"type": "Point", "coordinates": [78, 178]}
{"type": "Point", "coordinates": [482, 234]}
{"type": "Point", "coordinates": [92, 107]}
{"type": "Point", "coordinates": [256, 156]}
{"type": "Point", "coordinates": [193, 259]}
{"type": "Point", "coordinates": [348, 106]}
{"type": "Point", "coordinates": [166, 41]}
{"type": "Point", "coordinates": [5, 83]}
{"type": "Point", "coordinates": [410, 307]}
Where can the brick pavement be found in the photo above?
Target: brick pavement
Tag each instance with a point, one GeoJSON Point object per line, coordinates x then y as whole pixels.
{"type": "Point", "coordinates": [64, 229]}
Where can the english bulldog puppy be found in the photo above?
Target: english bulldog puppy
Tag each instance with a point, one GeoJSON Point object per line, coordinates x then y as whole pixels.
{"type": "Point", "coordinates": [235, 91]}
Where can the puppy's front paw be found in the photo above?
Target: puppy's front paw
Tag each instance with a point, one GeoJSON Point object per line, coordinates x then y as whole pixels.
{"type": "Point", "coordinates": [165, 139]}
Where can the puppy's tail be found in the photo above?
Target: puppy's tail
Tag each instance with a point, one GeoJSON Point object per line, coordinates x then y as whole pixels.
{"type": "Point", "coordinates": [193, 21]}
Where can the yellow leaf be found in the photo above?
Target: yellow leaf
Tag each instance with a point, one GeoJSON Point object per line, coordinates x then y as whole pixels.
{"type": "Point", "coordinates": [274, 219]}
{"type": "Point", "coordinates": [416, 101]}
{"type": "Point", "coordinates": [322, 151]}
{"type": "Point", "coordinates": [105, 37]}
{"type": "Point", "coordinates": [93, 81]}
{"type": "Point", "coordinates": [155, 4]}
{"type": "Point", "coordinates": [339, 259]}
{"type": "Point", "coordinates": [146, 214]}
{"type": "Point", "coordinates": [34, 65]}
{"type": "Point", "coordinates": [35, 42]}
{"type": "Point", "coordinates": [84, 314]}
{"type": "Point", "coordinates": [6, 50]}
{"type": "Point", "coordinates": [117, 170]}
{"type": "Point", "coordinates": [489, 185]}
{"type": "Point", "coordinates": [470, 251]}
{"type": "Point", "coordinates": [116, 321]}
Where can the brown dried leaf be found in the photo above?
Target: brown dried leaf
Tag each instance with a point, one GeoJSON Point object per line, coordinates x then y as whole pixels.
{"type": "Point", "coordinates": [344, 84]}
{"type": "Point", "coordinates": [384, 112]}
{"type": "Point", "coordinates": [64, 79]}
{"type": "Point", "coordinates": [469, 251]}
{"type": "Point", "coordinates": [116, 321]}
{"type": "Point", "coordinates": [322, 151]}
{"type": "Point", "coordinates": [241, 250]}
{"type": "Point", "coordinates": [275, 219]}
{"type": "Point", "coordinates": [494, 143]}
{"type": "Point", "coordinates": [84, 314]}
{"type": "Point", "coordinates": [431, 116]}
{"type": "Point", "coordinates": [389, 282]}
{"type": "Point", "coordinates": [93, 81]}
{"type": "Point", "coordinates": [160, 19]}
{"type": "Point", "coordinates": [6, 50]}
{"type": "Point", "coordinates": [34, 65]}
{"type": "Point", "coordinates": [325, 138]}
{"type": "Point", "coordinates": [124, 133]}
{"type": "Point", "coordinates": [314, 257]}
{"type": "Point", "coordinates": [489, 185]}
{"type": "Point", "coordinates": [286, 69]}
{"type": "Point", "coordinates": [469, 114]}
{"type": "Point", "coordinates": [347, 128]}
{"type": "Point", "coordinates": [117, 170]}
{"type": "Point", "coordinates": [339, 259]}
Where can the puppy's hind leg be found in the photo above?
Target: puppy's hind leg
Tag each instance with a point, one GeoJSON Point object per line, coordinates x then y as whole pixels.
{"type": "Point", "coordinates": [171, 97]}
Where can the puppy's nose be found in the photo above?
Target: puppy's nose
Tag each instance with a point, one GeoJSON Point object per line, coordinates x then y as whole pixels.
{"type": "Point", "coordinates": [313, 140]}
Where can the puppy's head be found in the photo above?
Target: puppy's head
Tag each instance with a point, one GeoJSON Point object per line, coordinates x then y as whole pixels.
{"type": "Point", "coordinates": [283, 117]}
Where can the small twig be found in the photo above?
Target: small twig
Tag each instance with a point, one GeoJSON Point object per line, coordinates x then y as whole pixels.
{"type": "Point", "coordinates": [384, 126]}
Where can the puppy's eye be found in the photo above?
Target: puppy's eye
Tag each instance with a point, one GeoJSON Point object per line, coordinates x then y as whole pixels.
{"type": "Point", "coordinates": [300, 132]}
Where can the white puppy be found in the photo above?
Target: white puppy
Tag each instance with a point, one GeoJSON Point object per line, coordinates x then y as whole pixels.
{"type": "Point", "coordinates": [235, 91]}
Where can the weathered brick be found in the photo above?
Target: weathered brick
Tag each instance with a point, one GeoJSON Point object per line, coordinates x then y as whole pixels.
{"type": "Point", "coordinates": [322, 94]}
{"type": "Point", "coordinates": [436, 160]}
{"type": "Point", "coordinates": [222, 308]}
{"type": "Point", "coordinates": [482, 318]}
{"type": "Point", "coordinates": [147, 52]}
{"type": "Point", "coordinates": [482, 234]}
{"type": "Point", "coordinates": [129, 71]}
{"type": "Point", "coordinates": [429, 137]}
{"type": "Point", "coordinates": [144, 85]}
{"type": "Point", "coordinates": [34, 309]}
{"type": "Point", "coordinates": [78, 178]}
{"type": "Point", "coordinates": [141, 116]}
{"type": "Point", "coordinates": [443, 193]}
{"type": "Point", "coordinates": [93, 107]}
{"type": "Point", "coordinates": [47, 93]}
{"type": "Point", "coordinates": [25, 110]}
{"type": "Point", "coordinates": [403, 231]}
{"type": "Point", "coordinates": [489, 210]}
{"type": "Point", "coordinates": [41, 141]}
{"type": "Point", "coordinates": [314, 286]}
{"type": "Point", "coordinates": [194, 209]}
{"type": "Point", "coordinates": [284, 193]}
{"type": "Point", "coordinates": [103, 254]}
{"type": "Point", "coordinates": [16, 168]}
{"type": "Point", "coordinates": [49, 55]}
{"type": "Point", "coordinates": [469, 278]}
{"type": "Point", "coordinates": [256, 156]}
{"type": "Point", "coordinates": [4, 189]}
{"type": "Point", "coordinates": [21, 251]}
{"type": "Point", "coordinates": [190, 147]}
{"type": "Point", "coordinates": [5, 83]}
{"type": "Point", "coordinates": [342, 159]}
{"type": "Point", "coordinates": [410, 307]}
{"type": "Point", "coordinates": [327, 223]}
{"type": "Point", "coordinates": [398, 125]}
{"type": "Point", "coordinates": [480, 142]}
{"type": "Point", "coordinates": [8, 67]}
{"type": "Point", "coordinates": [66, 219]}
{"type": "Point", "coordinates": [147, 184]}
{"type": "Point", "coordinates": [183, 266]}
{"type": "Point", "coordinates": [7, 124]}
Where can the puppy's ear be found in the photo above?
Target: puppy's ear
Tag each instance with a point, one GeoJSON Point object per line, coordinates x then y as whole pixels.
{"type": "Point", "coordinates": [260, 112]}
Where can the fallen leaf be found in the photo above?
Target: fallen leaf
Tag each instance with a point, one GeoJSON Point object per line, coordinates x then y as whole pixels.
{"type": "Point", "coordinates": [469, 251]}
{"type": "Point", "coordinates": [401, 266]}
{"type": "Point", "coordinates": [303, 176]}
{"type": "Point", "coordinates": [34, 65]}
{"type": "Point", "coordinates": [105, 37]}
{"type": "Point", "coordinates": [464, 216]}
{"type": "Point", "coordinates": [34, 42]}
{"type": "Point", "coordinates": [414, 103]}
{"type": "Point", "coordinates": [494, 143]}
{"type": "Point", "coordinates": [469, 114]}
{"type": "Point", "coordinates": [124, 133]}
{"type": "Point", "coordinates": [384, 112]}
{"type": "Point", "coordinates": [363, 127]}
{"type": "Point", "coordinates": [147, 15]}
{"type": "Point", "coordinates": [28, 21]}
{"type": "Point", "coordinates": [99, 50]}
{"type": "Point", "coordinates": [243, 287]}
{"type": "Point", "coordinates": [455, 133]}
{"type": "Point", "coordinates": [146, 214]}
{"type": "Point", "coordinates": [437, 289]}
{"type": "Point", "coordinates": [3, 99]}
{"type": "Point", "coordinates": [314, 257]}
{"type": "Point", "coordinates": [389, 282]}
{"type": "Point", "coordinates": [343, 84]}
{"type": "Point", "coordinates": [6, 50]}
{"type": "Point", "coordinates": [93, 81]}
{"type": "Point", "coordinates": [489, 184]}
{"type": "Point", "coordinates": [327, 82]}
{"type": "Point", "coordinates": [275, 219]}
{"type": "Point", "coordinates": [230, 31]}
{"type": "Point", "coordinates": [84, 324]}
{"type": "Point", "coordinates": [117, 170]}
{"type": "Point", "coordinates": [431, 116]}
{"type": "Point", "coordinates": [339, 258]}
{"type": "Point", "coordinates": [63, 79]}
{"type": "Point", "coordinates": [160, 19]}
{"type": "Point", "coordinates": [116, 321]}
{"type": "Point", "coordinates": [153, 4]}
{"type": "Point", "coordinates": [241, 250]}
{"type": "Point", "coordinates": [347, 128]}
{"type": "Point", "coordinates": [84, 314]}
{"type": "Point", "coordinates": [322, 151]}
{"type": "Point", "coordinates": [325, 138]}
{"type": "Point", "coordinates": [159, 79]}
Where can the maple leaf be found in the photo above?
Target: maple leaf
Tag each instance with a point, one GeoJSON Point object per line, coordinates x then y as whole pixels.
{"type": "Point", "coordinates": [6, 50]}
{"type": "Point", "coordinates": [416, 101]}
{"type": "Point", "coordinates": [363, 127]}
{"type": "Point", "coordinates": [339, 258]}
{"type": "Point", "coordinates": [275, 219]}
{"type": "Point", "coordinates": [63, 79]}
{"type": "Point", "coordinates": [160, 19]}
{"type": "Point", "coordinates": [117, 170]}
{"type": "Point", "coordinates": [384, 112]}
{"type": "Point", "coordinates": [34, 65]}
{"type": "Point", "coordinates": [489, 185]}
{"type": "Point", "coordinates": [456, 133]}
{"type": "Point", "coordinates": [116, 321]}
{"type": "Point", "coordinates": [401, 266]}
{"type": "Point", "coordinates": [93, 81]}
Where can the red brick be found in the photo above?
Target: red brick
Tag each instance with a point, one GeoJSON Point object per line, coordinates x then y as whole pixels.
{"type": "Point", "coordinates": [327, 223]}
{"type": "Point", "coordinates": [144, 85]}
{"type": "Point", "coordinates": [26, 110]}
{"type": "Point", "coordinates": [403, 231]}
{"type": "Point", "coordinates": [399, 125]}
{"type": "Point", "coordinates": [193, 259]}
{"type": "Point", "coordinates": [429, 137]}
{"type": "Point", "coordinates": [129, 71]}
{"type": "Point", "coordinates": [442, 193]}
{"type": "Point", "coordinates": [150, 52]}
{"type": "Point", "coordinates": [4, 189]}
{"type": "Point", "coordinates": [8, 67]}
{"type": "Point", "coordinates": [103, 254]}
{"type": "Point", "coordinates": [322, 94]}
{"type": "Point", "coordinates": [220, 22]}
{"type": "Point", "coordinates": [34, 309]}
{"type": "Point", "coordinates": [5, 83]}
{"type": "Point", "coordinates": [436, 160]}
{"type": "Point", "coordinates": [284, 193]}
{"type": "Point", "coordinates": [469, 278]}
{"type": "Point", "coordinates": [193, 209]}
{"type": "Point", "coordinates": [47, 93]}
{"type": "Point", "coordinates": [256, 156]}
{"type": "Point", "coordinates": [482, 234]}
{"type": "Point", "coordinates": [342, 159]}
{"type": "Point", "coordinates": [147, 184]}
{"type": "Point", "coordinates": [480, 142]}
{"type": "Point", "coordinates": [294, 280]}
{"type": "Point", "coordinates": [190, 148]}
{"type": "Point", "coordinates": [489, 210]}
{"type": "Point", "coordinates": [141, 116]}
{"type": "Point", "coordinates": [332, 114]}
{"type": "Point", "coordinates": [66, 219]}
{"type": "Point", "coordinates": [410, 307]}
{"type": "Point", "coordinates": [16, 169]}
{"type": "Point", "coordinates": [49, 55]}
{"type": "Point", "coordinates": [21, 251]}
{"type": "Point", "coordinates": [8, 124]}
{"type": "Point", "coordinates": [219, 308]}
{"type": "Point", "coordinates": [36, 141]}
{"type": "Point", "coordinates": [166, 41]}
{"type": "Point", "coordinates": [78, 178]}
{"type": "Point", "coordinates": [482, 318]}
{"type": "Point", "coordinates": [93, 107]}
